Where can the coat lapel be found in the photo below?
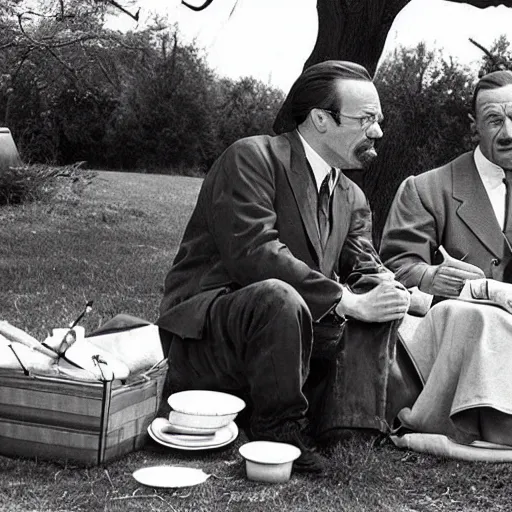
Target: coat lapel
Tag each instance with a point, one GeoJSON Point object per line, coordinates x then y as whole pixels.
{"type": "Point", "coordinates": [303, 187]}
{"type": "Point", "coordinates": [475, 209]}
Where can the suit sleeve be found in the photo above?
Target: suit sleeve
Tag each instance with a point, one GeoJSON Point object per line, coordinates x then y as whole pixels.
{"type": "Point", "coordinates": [358, 252]}
{"type": "Point", "coordinates": [243, 224]}
{"type": "Point", "coordinates": [410, 237]}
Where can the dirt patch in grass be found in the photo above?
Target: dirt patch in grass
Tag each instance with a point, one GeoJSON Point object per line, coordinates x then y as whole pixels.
{"type": "Point", "coordinates": [113, 244]}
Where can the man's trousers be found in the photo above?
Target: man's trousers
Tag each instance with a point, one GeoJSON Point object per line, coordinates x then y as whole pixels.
{"type": "Point", "coordinates": [260, 343]}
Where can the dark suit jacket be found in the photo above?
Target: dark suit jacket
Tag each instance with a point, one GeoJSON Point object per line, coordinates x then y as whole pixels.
{"type": "Point", "coordinates": [446, 206]}
{"type": "Point", "coordinates": [255, 219]}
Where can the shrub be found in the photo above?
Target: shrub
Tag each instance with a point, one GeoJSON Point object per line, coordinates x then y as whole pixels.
{"type": "Point", "coordinates": [28, 183]}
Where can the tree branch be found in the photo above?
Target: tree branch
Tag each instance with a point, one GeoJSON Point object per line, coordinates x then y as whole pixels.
{"type": "Point", "coordinates": [126, 11]}
{"type": "Point", "coordinates": [485, 50]}
{"type": "Point", "coordinates": [61, 44]}
{"type": "Point", "coordinates": [197, 8]}
{"type": "Point", "coordinates": [99, 62]}
{"type": "Point", "coordinates": [483, 4]}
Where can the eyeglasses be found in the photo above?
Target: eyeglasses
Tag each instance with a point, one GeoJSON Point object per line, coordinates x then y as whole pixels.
{"type": "Point", "coordinates": [365, 121]}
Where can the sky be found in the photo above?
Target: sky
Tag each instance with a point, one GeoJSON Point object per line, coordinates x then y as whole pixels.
{"type": "Point", "coordinates": [271, 39]}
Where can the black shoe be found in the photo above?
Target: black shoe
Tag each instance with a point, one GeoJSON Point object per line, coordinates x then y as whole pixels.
{"type": "Point", "coordinates": [309, 461]}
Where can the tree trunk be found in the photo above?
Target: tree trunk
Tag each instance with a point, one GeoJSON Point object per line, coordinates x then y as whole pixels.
{"type": "Point", "coordinates": [353, 30]}
{"type": "Point", "coordinates": [356, 30]}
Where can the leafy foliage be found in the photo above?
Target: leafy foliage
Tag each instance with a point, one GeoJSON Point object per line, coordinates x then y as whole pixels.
{"type": "Point", "coordinates": [246, 108]}
{"type": "Point", "coordinates": [425, 99]}
{"type": "Point", "coordinates": [498, 57]}
{"type": "Point", "coordinates": [72, 90]}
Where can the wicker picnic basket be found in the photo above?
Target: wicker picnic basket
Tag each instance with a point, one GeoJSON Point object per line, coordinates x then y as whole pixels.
{"type": "Point", "coordinates": [89, 423]}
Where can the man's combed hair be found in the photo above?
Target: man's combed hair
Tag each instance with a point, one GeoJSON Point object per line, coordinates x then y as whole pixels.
{"type": "Point", "coordinates": [493, 80]}
{"type": "Point", "coordinates": [316, 86]}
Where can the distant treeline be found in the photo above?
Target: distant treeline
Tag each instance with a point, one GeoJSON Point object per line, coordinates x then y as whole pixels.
{"type": "Point", "coordinates": [142, 100]}
{"type": "Point", "coordinates": [426, 98]}
{"type": "Point", "coordinates": [71, 90]}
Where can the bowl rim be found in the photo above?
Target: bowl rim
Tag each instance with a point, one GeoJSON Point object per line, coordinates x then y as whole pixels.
{"type": "Point", "coordinates": [176, 402]}
{"type": "Point", "coordinates": [293, 453]}
{"type": "Point", "coordinates": [234, 414]}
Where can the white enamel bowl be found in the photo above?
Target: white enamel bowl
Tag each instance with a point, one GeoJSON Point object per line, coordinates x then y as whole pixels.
{"type": "Point", "coordinates": [268, 461]}
{"type": "Point", "coordinates": [206, 410]}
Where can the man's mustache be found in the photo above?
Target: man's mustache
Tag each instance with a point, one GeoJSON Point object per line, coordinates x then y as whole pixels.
{"type": "Point", "coordinates": [365, 146]}
{"type": "Point", "coordinates": [504, 142]}
{"type": "Point", "coordinates": [365, 152]}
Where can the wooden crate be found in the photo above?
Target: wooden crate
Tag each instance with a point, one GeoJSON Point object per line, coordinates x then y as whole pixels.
{"type": "Point", "coordinates": [89, 423]}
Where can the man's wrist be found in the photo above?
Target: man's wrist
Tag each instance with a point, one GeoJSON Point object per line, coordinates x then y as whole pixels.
{"type": "Point", "coordinates": [343, 308]}
{"type": "Point", "coordinates": [427, 280]}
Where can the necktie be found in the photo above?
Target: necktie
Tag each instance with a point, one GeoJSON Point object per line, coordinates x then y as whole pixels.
{"type": "Point", "coordinates": [324, 196]}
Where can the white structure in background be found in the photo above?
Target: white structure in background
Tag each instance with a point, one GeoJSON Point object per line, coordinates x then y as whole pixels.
{"type": "Point", "coordinates": [9, 156]}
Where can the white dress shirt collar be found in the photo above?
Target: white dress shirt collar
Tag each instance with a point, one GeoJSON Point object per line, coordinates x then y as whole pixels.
{"type": "Point", "coordinates": [489, 172]}
{"type": "Point", "coordinates": [492, 176]}
{"type": "Point", "coordinates": [319, 166]}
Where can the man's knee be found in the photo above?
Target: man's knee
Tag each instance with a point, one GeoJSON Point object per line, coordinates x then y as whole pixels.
{"type": "Point", "coordinates": [466, 313]}
{"type": "Point", "coordinates": [280, 297]}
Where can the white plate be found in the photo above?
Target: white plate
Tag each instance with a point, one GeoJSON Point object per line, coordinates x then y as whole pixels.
{"type": "Point", "coordinates": [165, 427]}
{"type": "Point", "coordinates": [165, 432]}
{"type": "Point", "coordinates": [180, 429]}
{"type": "Point", "coordinates": [207, 403]}
{"type": "Point", "coordinates": [223, 437]}
{"type": "Point", "coordinates": [170, 476]}
{"type": "Point", "coordinates": [269, 452]}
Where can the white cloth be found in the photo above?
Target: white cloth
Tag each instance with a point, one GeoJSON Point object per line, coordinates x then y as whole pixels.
{"type": "Point", "coordinates": [319, 166]}
{"type": "Point", "coordinates": [437, 444]}
{"type": "Point", "coordinates": [17, 356]}
{"type": "Point", "coordinates": [138, 348]}
{"type": "Point", "coordinates": [492, 177]}
{"type": "Point", "coordinates": [463, 352]}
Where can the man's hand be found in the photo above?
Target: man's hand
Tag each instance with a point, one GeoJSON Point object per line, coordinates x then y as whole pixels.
{"type": "Point", "coordinates": [386, 302]}
{"type": "Point", "coordinates": [448, 278]}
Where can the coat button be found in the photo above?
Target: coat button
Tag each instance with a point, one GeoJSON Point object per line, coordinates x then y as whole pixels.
{"type": "Point", "coordinates": [495, 262]}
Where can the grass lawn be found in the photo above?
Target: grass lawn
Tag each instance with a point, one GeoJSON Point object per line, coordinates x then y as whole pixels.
{"type": "Point", "coordinates": [114, 244]}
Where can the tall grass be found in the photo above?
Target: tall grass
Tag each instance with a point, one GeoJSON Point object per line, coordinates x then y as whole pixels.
{"type": "Point", "coordinates": [28, 183]}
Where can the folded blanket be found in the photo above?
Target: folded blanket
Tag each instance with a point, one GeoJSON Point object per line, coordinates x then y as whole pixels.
{"type": "Point", "coordinates": [139, 348]}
